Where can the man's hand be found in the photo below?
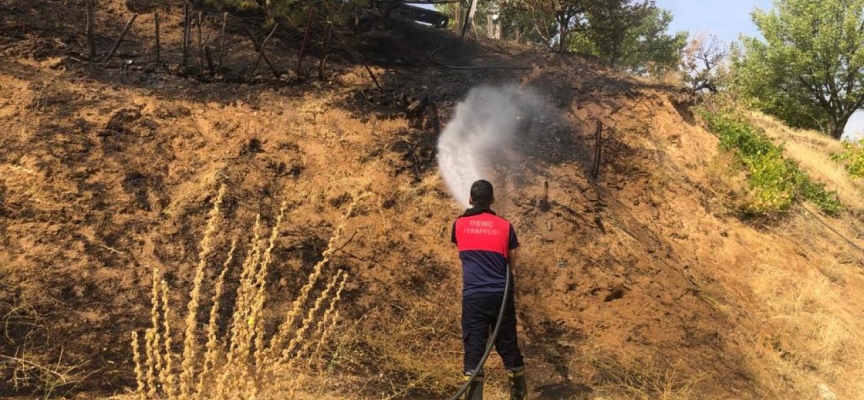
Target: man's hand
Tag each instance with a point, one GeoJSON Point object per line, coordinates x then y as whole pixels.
{"type": "Point", "coordinates": [512, 256]}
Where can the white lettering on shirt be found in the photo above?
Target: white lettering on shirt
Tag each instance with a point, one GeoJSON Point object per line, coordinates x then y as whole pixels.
{"type": "Point", "coordinates": [480, 224]}
{"type": "Point", "coordinates": [482, 231]}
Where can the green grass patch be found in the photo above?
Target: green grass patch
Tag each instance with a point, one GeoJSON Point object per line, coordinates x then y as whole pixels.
{"type": "Point", "coordinates": [853, 158]}
{"type": "Point", "coordinates": [776, 181]}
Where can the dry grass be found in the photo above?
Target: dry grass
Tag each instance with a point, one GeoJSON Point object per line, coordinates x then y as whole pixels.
{"type": "Point", "coordinates": [408, 353]}
{"type": "Point", "coordinates": [29, 365]}
{"type": "Point", "coordinates": [34, 371]}
{"type": "Point", "coordinates": [618, 376]}
{"type": "Point", "coordinates": [808, 336]}
{"type": "Point", "coordinates": [244, 362]}
{"type": "Point", "coordinates": [812, 150]}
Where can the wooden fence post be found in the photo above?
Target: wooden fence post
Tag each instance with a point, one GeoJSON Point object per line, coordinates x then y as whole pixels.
{"type": "Point", "coordinates": [259, 48]}
{"type": "Point", "coordinates": [186, 38]}
{"type": "Point", "coordinates": [158, 51]}
{"type": "Point", "coordinates": [305, 40]}
{"type": "Point", "coordinates": [261, 51]}
{"type": "Point", "coordinates": [222, 38]}
{"type": "Point", "coordinates": [324, 45]}
{"type": "Point", "coordinates": [598, 146]}
{"type": "Point", "coordinates": [200, 44]}
{"type": "Point", "coordinates": [120, 39]}
{"type": "Point", "coordinates": [89, 30]}
{"type": "Point", "coordinates": [209, 60]}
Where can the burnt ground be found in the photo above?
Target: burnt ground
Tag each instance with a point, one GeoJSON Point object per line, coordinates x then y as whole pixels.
{"type": "Point", "coordinates": [632, 282]}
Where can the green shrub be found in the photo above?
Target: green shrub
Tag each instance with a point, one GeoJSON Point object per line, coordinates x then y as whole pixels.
{"type": "Point", "coordinates": [776, 181]}
{"type": "Point", "coordinates": [853, 157]}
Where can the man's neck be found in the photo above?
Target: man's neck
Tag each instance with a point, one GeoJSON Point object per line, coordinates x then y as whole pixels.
{"type": "Point", "coordinates": [478, 210]}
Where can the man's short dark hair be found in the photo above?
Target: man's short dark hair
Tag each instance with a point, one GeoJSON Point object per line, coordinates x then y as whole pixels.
{"type": "Point", "coordinates": [481, 193]}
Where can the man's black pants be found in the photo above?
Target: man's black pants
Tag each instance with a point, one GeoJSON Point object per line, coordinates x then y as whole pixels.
{"type": "Point", "coordinates": [479, 315]}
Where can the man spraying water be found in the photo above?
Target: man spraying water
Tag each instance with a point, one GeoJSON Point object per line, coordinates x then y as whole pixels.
{"type": "Point", "coordinates": [487, 243]}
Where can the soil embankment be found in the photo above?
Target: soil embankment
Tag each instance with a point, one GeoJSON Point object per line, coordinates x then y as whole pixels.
{"type": "Point", "coordinates": [643, 281]}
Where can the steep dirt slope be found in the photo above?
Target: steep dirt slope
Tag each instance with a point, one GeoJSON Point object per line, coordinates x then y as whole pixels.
{"type": "Point", "coordinates": [642, 282]}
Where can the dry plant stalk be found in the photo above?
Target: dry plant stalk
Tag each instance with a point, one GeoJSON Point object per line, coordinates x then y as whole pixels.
{"type": "Point", "coordinates": [328, 322]}
{"type": "Point", "coordinates": [310, 315]}
{"type": "Point", "coordinates": [167, 374]}
{"type": "Point", "coordinates": [240, 333]}
{"type": "Point", "coordinates": [190, 346]}
{"type": "Point", "coordinates": [139, 371]}
{"type": "Point", "coordinates": [212, 327]}
{"type": "Point", "coordinates": [330, 327]}
{"type": "Point", "coordinates": [154, 358]}
{"type": "Point", "coordinates": [297, 306]}
{"type": "Point", "coordinates": [260, 284]}
{"type": "Point", "coordinates": [249, 363]}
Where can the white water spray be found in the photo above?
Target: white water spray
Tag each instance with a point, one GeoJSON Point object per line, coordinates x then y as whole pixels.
{"type": "Point", "coordinates": [482, 133]}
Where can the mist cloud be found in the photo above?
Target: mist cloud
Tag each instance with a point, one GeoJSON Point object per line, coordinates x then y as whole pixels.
{"type": "Point", "coordinates": [482, 134]}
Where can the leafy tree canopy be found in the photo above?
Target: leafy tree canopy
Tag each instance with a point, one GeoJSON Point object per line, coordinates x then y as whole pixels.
{"type": "Point", "coordinates": [630, 34]}
{"type": "Point", "coordinates": [634, 36]}
{"type": "Point", "coordinates": [809, 70]}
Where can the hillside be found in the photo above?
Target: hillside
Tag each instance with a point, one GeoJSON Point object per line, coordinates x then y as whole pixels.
{"type": "Point", "coordinates": [645, 282]}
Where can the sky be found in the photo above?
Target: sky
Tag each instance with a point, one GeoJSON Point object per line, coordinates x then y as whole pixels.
{"type": "Point", "coordinates": [728, 19]}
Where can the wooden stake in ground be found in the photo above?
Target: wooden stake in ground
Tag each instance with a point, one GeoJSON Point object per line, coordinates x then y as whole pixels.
{"type": "Point", "coordinates": [158, 56]}
{"type": "Point", "coordinates": [362, 60]}
{"type": "Point", "coordinates": [305, 40]}
{"type": "Point", "coordinates": [185, 38]}
{"type": "Point", "coordinates": [598, 146]}
{"type": "Point", "coordinates": [200, 45]}
{"type": "Point", "coordinates": [89, 30]}
{"type": "Point", "coordinates": [209, 60]}
{"type": "Point", "coordinates": [261, 51]}
{"type": "Point", "coordinates": [120, 39]}
{"type": "Point", "coordinates": [257, 47]}
{"type": "Point", "coordinates": [369, 70]}
{"type": "Point", "coordinates": [222, 38]}
{"type": "Point", "coordinates": [324, 45]}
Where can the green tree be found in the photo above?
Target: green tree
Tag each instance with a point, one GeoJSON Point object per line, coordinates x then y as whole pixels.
{"type": "Point", "coordinates": [552, 20]}
{"type": "Point", "coordinates": [634, 36]}
{"type": "Point", "coordinates": [809, 70]}
{"type": "Point", "coordinates": [630, 34]}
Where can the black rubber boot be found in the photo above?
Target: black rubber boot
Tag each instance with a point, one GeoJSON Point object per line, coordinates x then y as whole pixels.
{"type": "Point", "coordinates": [475, 390]}
{"type": "Point", "coordinates": [518, 386]}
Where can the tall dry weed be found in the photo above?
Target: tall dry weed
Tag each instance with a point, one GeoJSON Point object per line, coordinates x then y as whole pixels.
{"type": "Point", "coordinates": [245, 362]}
{"type": "Point", "coordinates": [190, 345]}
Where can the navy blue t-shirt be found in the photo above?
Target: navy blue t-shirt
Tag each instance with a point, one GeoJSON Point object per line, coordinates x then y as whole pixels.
{"type": "Point", "coordinates": [484, 241]}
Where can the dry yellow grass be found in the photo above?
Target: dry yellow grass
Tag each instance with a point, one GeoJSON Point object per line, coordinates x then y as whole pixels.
{"type": "Point", "coordinates": [245, 363]}
{"type": "Point", "coordinates": [620, 377]}
{"type": "Point", "coordinates": [808, 335]}
{"type": "Point", "coordinates": [811, 150]}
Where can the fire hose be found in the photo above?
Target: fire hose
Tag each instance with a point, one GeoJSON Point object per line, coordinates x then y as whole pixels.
{"type": "Point", "coordinates": [491, 342]}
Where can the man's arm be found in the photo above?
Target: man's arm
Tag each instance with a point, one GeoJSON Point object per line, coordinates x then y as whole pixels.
{"type": "Point", "coordinates": [512, 254]}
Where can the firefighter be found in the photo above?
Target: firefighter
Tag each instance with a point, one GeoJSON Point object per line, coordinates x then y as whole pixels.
{"type": "Point", "coordinates": [487, 244]}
